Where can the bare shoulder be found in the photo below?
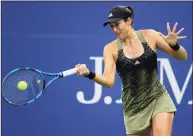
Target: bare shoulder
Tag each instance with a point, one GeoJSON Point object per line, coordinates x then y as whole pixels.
{"type": "Point", "coordinates": [149, 32]}
{"type": "Point", "coordinates": [111, 45]}
{"type": "Point", "coordinates": [150, 37]}
{"type": "Point", "coordinates": [111, 49]}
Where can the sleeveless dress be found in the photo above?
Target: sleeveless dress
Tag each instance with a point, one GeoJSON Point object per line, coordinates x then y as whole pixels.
{"type": "Point", "coordinates": [143, 95]}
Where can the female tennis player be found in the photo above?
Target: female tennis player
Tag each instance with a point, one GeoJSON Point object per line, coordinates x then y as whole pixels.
{"type": "Point", "coordinates": [147, 105]}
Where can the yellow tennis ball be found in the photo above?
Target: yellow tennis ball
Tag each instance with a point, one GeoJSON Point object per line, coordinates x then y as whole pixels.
{"type": "Point", "coordinates": [38, 81]}
{"type": "Point", "coordinates": [22, 85]}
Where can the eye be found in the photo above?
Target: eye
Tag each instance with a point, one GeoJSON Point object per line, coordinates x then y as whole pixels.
{"type": "Point", "coordinates": [111, 25]}
{"type": "Point", "coordinates": [114, 24]}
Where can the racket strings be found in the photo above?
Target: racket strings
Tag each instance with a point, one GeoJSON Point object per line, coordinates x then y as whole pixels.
{"type": "Point", "coordinates": [33, 80]}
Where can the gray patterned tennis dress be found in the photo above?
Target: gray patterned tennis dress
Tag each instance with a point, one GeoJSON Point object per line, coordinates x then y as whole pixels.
{"type": "Point", "coordinates": [143, 95]}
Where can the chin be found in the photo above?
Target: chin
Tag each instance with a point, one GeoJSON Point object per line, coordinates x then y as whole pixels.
{"type": "Point", "coordinates": [121, 37]}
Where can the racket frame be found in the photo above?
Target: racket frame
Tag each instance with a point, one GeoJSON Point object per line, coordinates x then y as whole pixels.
{"type": "Point", "coordinates": [45, 85]}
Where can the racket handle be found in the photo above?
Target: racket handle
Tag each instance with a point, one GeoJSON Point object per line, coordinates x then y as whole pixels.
{"type": "Point", "coordinates": [69, 72]}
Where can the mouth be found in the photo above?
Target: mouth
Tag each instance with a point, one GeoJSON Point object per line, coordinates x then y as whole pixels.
{"type": "Point", "coordinates": [119, 34]}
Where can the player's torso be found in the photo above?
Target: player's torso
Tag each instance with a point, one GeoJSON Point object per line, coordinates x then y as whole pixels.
{"type": "Point", "coordinates": [137, 68]}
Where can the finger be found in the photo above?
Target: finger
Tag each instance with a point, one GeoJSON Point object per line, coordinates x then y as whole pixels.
{"type": "Point", "coordinates": [83, 65]}
{"type": "Point", "coordinates": [174, 28]}
{"type": "Point", "coordinates": [78, 71]}
{"type": "Point", "coordinates": [181, 37]}
{"type": "Point", "coordinates": [77, 65]}
{"type": "Point", "coordinates": [168, 28]}
{"type": "Point", "coordinates": [85, 70]}
{"type": "Point", "coordinates": [182, 29]}
{"type": "Point", "coordinates": [82, 69]}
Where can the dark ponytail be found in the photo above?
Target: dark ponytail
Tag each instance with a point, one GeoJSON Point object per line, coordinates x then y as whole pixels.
{"type": "Point", "coordinates": [131, 10]}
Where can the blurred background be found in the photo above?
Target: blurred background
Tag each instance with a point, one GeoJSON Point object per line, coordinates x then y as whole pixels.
{"type": "Point", "coordinates": [55, 36]}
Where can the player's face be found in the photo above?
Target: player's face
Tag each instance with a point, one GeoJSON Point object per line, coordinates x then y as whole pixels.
{"type": "Point", "coordinates": [120, 28]}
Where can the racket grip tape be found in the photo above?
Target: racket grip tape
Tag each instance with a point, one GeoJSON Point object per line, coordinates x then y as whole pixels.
{"type": "Point", "coordinates": [69, 72]}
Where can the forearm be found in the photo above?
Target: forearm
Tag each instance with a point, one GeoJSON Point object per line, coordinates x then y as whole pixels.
{"type": "Point", "coordinates": [180, 54]}
{"type": "Point", "coordinates": [103, 80]}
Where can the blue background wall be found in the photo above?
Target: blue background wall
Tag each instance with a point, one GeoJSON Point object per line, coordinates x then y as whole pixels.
{"type": "Point", "coordinates": [55, 36]}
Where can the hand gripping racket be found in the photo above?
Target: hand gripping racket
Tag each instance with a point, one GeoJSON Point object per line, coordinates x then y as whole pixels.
{"type": "Point", "coordinates": [24, 85]}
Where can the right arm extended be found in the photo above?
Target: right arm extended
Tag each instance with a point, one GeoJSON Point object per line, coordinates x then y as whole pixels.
{"type": "Point", "coordinates": [108, 77]}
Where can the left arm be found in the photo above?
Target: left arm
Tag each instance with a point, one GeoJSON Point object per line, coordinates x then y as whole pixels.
{"type": "Point", "coordinates": [163, 42]}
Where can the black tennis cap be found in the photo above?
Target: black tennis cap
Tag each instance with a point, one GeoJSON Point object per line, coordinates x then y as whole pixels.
{"type": "Point", "coordinates": [119, 12]}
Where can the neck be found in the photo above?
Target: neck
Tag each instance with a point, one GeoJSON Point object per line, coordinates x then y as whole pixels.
{"type": "Point", "coordinates": [131, 35]}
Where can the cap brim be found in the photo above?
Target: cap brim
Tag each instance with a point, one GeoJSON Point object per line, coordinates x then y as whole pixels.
{"type": "Point", "coordinates": [111, 21]}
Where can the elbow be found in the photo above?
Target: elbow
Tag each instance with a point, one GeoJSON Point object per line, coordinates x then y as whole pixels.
{"type": "Point", "coordinates": [109, 84]}
{"type": "Point", "coordinates": [184, 57]}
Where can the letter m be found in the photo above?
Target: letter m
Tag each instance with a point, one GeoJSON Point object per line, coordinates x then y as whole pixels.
{"type": "Point", "coordinates": [166, 66]}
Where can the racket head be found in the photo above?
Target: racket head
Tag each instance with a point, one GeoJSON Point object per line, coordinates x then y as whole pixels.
{"type": "Point", "coordinates": [22, 86]}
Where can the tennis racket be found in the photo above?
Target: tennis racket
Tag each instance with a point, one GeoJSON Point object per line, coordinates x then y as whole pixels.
{"type": "Point", "coordinates": [23, 86]}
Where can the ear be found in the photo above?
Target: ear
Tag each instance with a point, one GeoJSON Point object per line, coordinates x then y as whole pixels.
{"type": "Point", "coordinates": [129, 21]}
